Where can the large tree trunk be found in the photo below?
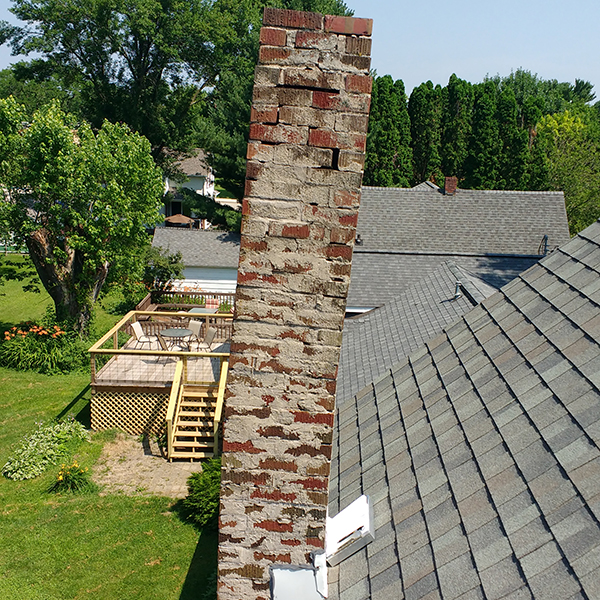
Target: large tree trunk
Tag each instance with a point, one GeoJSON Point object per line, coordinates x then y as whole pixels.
{"type": "Point", "coordinates": [72, 287]}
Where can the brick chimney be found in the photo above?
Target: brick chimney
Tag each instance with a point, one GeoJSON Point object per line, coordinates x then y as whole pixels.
{"type": "Point", "coordinates": [450, 185]}
{"type": "Point", "coordinates": [305, 161]}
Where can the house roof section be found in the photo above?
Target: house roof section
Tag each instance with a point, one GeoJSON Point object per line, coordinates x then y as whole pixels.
{"type": "Point", "coordinates": [481, 450]}
{"type": "Point", "coordinates": [379, 278]}
{"type": "Point", "coordinates": [195, 166]}
{"type": "Point", "coordinates": [380, 338]}
{"type": "Point", "coordinates": [425, 220]}
{"type": "Point", "coordinates": [200, 248]}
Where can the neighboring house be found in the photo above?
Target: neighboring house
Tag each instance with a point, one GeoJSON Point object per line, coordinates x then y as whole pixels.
{"type": "Point", "coordinates": [210, 257]}
{"type": "Point", "coordinates": [481, 450]}
{"type": "Point", "coordinates": [199, 178]}
{"type": "Point", "coordinates": [405, 233]}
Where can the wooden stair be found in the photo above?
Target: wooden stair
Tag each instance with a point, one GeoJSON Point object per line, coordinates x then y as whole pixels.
{"type": "Point", "coordinates": [193, 434]}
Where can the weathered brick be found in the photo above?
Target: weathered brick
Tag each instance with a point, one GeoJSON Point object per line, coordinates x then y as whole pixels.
{"type": "Point", "coordinates": [358, 45]}
{"type": "Point", "coordinates": [273, 54]}
{"type": "Point", "coordinates": [351, 123]}
{"type": "Point", "coordinates": [289, 230]}
{"type": "Point", "coordinates": [348, 25]}
{"type": "Point", "coordinates": [316, 39]}
{"type": "Point", "coordinates": [313, 78]}
{"type": "Point", "coordinates": [293, 19]}
{"type": "Point", "coordinates": [270, 36]}
{"type": "Point", "coordinates": [268, 75]}
{"type": "Point", "coordinates": [325, 138]}
{"type": "Point", "coordinates": [326, 100]}
{"type": "Point", "coordinates": [359, 83]}
{"type": "Point", "coordinates": [278, 134]}
{"type": "Point", "coordinates": [360, 63]}
{"type": "Point", "coordinates": [264, 115]}
{"type": "Point", "coordinates": [345, 197]}
{"type": "Point", "coordinates": [306, 116]}
{"type": "Point", "coordinates": [351, 161]}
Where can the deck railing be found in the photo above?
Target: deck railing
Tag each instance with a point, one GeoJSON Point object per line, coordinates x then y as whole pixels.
{"type": "Point", "coordinates": [120, 342]}
{"type": "Point", "coordinates": [174, 400]}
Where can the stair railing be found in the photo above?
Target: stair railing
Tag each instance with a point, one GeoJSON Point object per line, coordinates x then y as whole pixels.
{"type": "Point", "coordinates": [219, 407]}
{"type": "Point", "coordinates": [174, 400]}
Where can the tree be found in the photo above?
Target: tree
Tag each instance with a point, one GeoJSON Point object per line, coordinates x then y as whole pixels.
{"type": "Point", "coordinates": [143, 62]}
{"type": "Point", "coordinates": [389, 155]}
{"type": "Point", "coordinates": [425, 110]}
{"type": "Point", "coordinates": [573, 160]}
{"type": "Point", "coordinates": [482, 164]}
{"type": "Point", "coordinates": [457, 115]}
{"type": "Point", "coordinates": [80, 200]}
{"type": "Point", "coordinates": [221, 216]}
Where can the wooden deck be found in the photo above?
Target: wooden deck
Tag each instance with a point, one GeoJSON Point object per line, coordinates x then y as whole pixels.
{"type": "Point", "coordinates": [156, 370]}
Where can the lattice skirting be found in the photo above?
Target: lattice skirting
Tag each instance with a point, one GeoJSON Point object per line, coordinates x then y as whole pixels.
{"type": "Point", "coordinates": [129, 411]}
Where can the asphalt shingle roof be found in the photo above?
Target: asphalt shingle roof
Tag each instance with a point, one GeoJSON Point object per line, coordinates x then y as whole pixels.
{"type": "Point", "coordinates": [406, 233]}
{"type": "Point", "coordinates": [200, 248]}
{"type": "Point", "coordinates": [481, 450]}
{"type": "Point", "coordinates": [380, 338]}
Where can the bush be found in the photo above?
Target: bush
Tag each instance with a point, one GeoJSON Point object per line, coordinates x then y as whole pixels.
{"type": "Point", "coordinates": [43, 447]}
{"type": "Point", "coordinates": [225, 307]}
{"type": "Point", "coordinates": [44, 348]}
{"type": "Point", "coordinates": [72, 478]}
{"type": "Point", "coordinates": [202, 501]}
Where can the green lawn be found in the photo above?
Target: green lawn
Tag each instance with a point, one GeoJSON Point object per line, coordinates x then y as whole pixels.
{"type": "Point", "coordinates": [59, 547]}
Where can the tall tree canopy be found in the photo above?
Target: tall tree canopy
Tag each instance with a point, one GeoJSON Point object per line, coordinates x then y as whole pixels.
{"type": "Point", "coordinates": [80, 200]}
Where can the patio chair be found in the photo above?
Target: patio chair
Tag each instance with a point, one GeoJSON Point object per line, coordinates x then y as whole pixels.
{"type": "Point", "coordinates": [206, 343]}
{"type": "Point", "coordinates": [140, 336]}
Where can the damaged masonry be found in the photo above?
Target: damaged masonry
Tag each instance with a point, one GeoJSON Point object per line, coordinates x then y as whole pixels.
{"type": "Point", "coordinates": [305, 161]}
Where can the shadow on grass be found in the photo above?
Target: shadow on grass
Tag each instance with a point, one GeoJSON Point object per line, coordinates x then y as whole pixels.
{"type": "Point", "coordinates": [201, 579]}
{"type": "Point", "coordinates": [79, 407]}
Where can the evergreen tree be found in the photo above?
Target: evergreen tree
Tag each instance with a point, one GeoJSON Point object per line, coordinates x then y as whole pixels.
{"type": "Point", "coordinates": [425, 110]}
{"type": "Point", "coordinates": [458, 109]}
{"type": "Point", "coordinates": [514, 150]}
{"type": "Point", "coordinates": [482, 165]}
{"type": "Point", "coordinates": [388, 161]}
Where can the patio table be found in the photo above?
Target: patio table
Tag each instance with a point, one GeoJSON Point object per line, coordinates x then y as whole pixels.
{"type": "Point", "coordinates": [202, 310]}
{"type": "Point", "coordinates": [177, 334]}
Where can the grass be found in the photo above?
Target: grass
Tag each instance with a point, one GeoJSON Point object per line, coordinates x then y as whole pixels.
{"type": "Point", "coordinates": [58, 547]}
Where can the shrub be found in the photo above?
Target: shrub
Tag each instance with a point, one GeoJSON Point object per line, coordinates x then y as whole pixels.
{"type": "Point", "coordinates": [43, 447]}
{"type": "Point", "coordinates": [72, 478]}
{"type": "Point", "coordinates": [202, 501]}
{"type": "Point", "coordinates": [44, 348]}
{"type": "Point", "coordinates": [225, 307]}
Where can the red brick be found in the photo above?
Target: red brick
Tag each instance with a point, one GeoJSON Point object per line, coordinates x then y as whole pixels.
{"type": "Point", "coordinates": [323, 138]}
{"type": "Point", "coordinates": [277, 134]}
{"type": "Point", "coordinates": [281, 229]}
{"type": "Point", "coordinates": [313, 78]}
{"type": "Point", "coordinates": [350, 219]}
{"type": "Point", "coordinates": [288, 542]}
{"type": "Point", "coordinates": [307, 417]}
{"type": "Point", "coordinates": [312, 483]}
{"type": "Point", "coordinates": [278, 465]}
{"type": "Point", "coordinates": [277, 496]}
{"type": "Point", "coordinates": [273, 54]}
{"type": "Point", "coordinates": [280, 558]}
{"type": "Point", "coordinates": [362, 63]}
{"type": "Point", "coordinates": [294, 19]}
{"type": "Point", "coordinates": [359, 83]}
{"type": "Point", "coordinates": [338, 270]}
{"type": "Point", "coordinates": [270, 36]}
{"type": "Point", "coordinates": [247, 244]}
{"type": "Point", "coordinates": [335, 251]}
{"type": "Point", "coordinates": [264, 115]}
{"type": "Point", "coordinates": [241, 447]}
{"type": "Point", "coordinates": [326, 100]}
{"type": "Point", "coordinates": [275, 526]}
{"type": "Point", "coordinates": [316, 542]}
{"type": "Point", "coordinates": [305, 449]}
{"type": "Point", "coordinates": [277, 431]}
{"type": "Point", "coordinates": [348, 25]}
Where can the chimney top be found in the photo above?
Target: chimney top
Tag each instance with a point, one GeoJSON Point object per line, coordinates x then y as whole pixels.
{"type": "Point", "coordinates": [450, 185]}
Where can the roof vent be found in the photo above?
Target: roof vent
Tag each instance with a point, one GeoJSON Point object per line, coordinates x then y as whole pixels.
{"type": "Point", "coordinates": [349, 531]}
{"type": "Point", "coordinates": [358, 241]}
{"type": "Point", "coordinates": [457, 292]}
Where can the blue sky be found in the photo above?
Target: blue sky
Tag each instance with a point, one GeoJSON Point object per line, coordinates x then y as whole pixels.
{"type": "Point", "coordinates": [417, 41]}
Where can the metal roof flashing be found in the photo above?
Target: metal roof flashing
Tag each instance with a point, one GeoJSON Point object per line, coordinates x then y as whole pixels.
{"type": "Point", "coordinates": [349, 531]}
{"type": "Point", "coordinates": [292, 582]}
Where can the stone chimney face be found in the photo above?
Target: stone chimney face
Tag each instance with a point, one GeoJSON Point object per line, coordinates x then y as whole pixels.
{"type": "Point", "coordinates": [450, 185]}
{"type": "Point", "coordinates": [305, 160]}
